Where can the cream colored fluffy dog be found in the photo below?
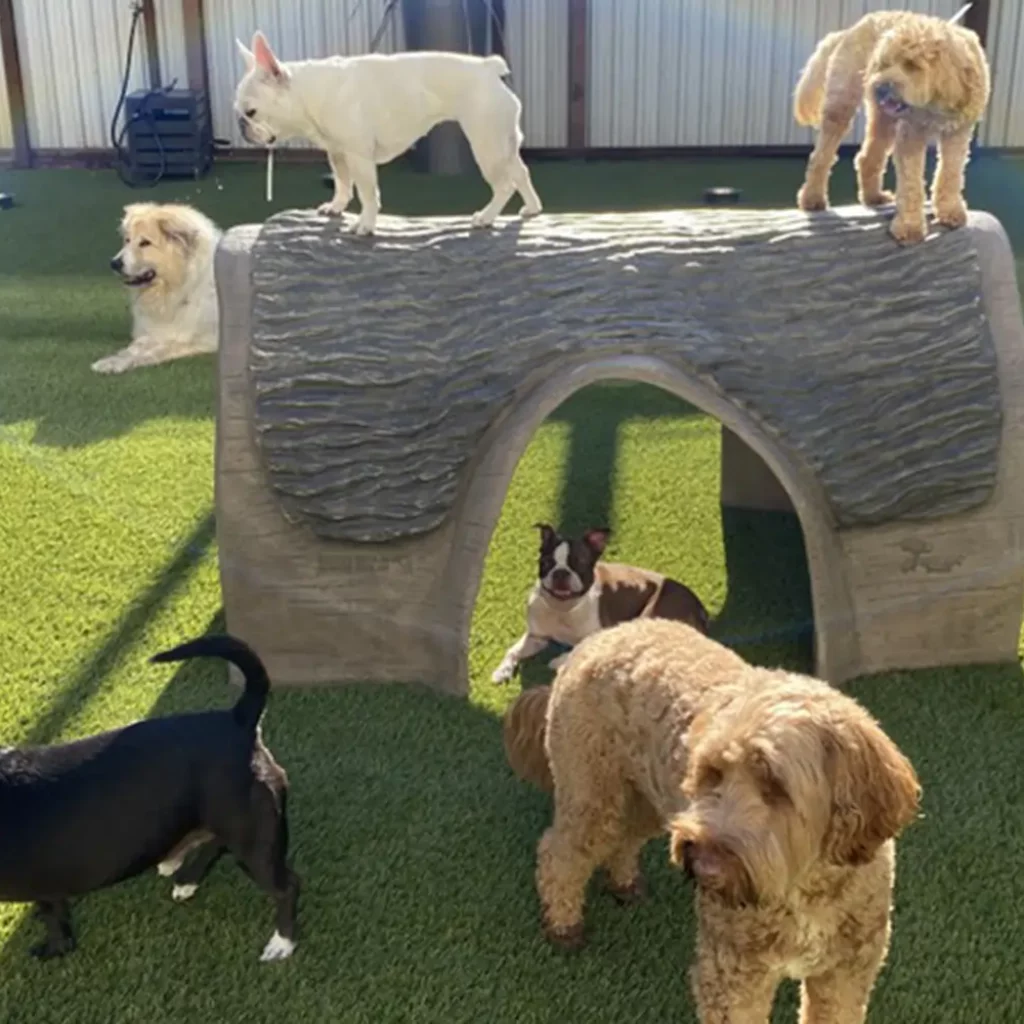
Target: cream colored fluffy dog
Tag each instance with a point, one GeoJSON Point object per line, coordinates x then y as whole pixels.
{"type": "Point", "coordinates": [920, 78]}
{"type": "Point", "coordinates": [166, 262]}
{"type": "Point", "coordinates": [781, 796]}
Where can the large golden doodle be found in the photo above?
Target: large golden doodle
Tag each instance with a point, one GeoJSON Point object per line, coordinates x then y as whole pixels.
{"type": "Point", "coordinates": [166, 261]}
{"type": "Point", "coordinates": [780, 795]}
{"type": "Point", "coordinates": [920, 78]}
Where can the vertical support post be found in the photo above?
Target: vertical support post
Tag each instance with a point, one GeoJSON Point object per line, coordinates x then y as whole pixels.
{"type": "Point", "coordinates": [497, 21]}
{"type": "Point", "coordinates": [195, 46]}
{"type": "Point", "coordinates": [578, 14]}
{"type": "Point", "coordinates": [15, 85]}
{"type": "Point", "coordinates": [445, 25]}
{"type": "Point", "coordinates": [152, 44]}
{"type": "Point", "coordinates": [977, 18]}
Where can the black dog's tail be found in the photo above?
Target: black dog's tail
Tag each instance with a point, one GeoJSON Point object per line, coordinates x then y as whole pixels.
{"type": "Point", "coordinates": [257, 683]}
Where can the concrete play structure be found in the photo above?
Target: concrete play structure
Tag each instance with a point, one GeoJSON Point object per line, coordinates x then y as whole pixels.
{"type": "Point", "coordinates": [376, 394]}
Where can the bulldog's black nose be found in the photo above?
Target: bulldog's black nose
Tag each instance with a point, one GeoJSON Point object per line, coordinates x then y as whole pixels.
{"type": "Point", "coordinates": [560, 576]}
{"type": "Point", "coordinates": [116, 264]}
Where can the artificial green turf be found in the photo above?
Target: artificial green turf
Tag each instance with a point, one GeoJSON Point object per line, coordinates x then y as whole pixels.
{"type": "Point", "coordinates": [414, 842]}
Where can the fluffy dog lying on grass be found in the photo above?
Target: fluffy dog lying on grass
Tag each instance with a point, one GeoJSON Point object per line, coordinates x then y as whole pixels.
{"type": "Point", "coordinates": [920, 78]}
{"type": "Point", "coordinates": [780, 795]}
{"type": "Point", "coordinates": [166, 262]}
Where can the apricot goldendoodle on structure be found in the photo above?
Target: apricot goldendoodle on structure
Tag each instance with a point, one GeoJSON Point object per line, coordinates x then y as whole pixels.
{"type": "Point", "coordinates": [780, 795]}
{"type": "Point", "coordinates": [920, 78]}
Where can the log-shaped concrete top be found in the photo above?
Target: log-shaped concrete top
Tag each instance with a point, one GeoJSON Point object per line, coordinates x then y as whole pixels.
{"type": "Point", "coordinates": [378, 364]}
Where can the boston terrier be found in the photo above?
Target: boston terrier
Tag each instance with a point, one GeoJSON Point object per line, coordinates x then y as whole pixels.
{"type": "Point", "coordinates": [577, 595]}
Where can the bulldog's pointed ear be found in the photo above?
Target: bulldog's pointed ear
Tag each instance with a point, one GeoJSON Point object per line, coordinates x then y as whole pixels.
{"type": "Point", "coordinates": [264, 57]}
{"type": "Point", "coordinates": [247, 55]}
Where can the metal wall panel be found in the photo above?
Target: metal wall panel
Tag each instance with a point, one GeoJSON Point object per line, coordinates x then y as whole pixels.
{"type": "Point", "coordinates": [72, 60]}
{"type": "Point", "coordinates": [711, 72]}
{"type": "Point", "coordinates": [6, 135]}
{"type": "Point", "coordinates": [170, 34]}
{"type": "Point", "coordinates": [297, 30]}
{"type": "Point", "coordinates": [537, 48]}
{"type": "Point", "coordinates": [1004, 120]}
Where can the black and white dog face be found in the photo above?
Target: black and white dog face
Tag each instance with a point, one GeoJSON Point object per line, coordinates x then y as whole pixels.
{"type": "Point", "coordinates": [566, 563]}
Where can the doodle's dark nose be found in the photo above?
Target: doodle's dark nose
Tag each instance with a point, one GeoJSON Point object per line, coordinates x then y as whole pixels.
{"type": "Point", "coordinates": [688, 857]}
{"type": "Point", "coordinates": [884, 91]}
{"type": "Point", "coordinates": [117, 264]}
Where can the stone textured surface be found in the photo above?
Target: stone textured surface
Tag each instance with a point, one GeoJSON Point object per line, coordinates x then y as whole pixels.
{"type": "Point", "coordinates": [377, 365]}
{"type": "Point", "coordinates": [908, 593]}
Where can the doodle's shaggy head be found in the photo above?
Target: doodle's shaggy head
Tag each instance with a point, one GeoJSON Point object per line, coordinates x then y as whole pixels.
{"type": "Point", "coordinates": [924, 63]}
{"type": "Point", "coordinates": [784, 779]}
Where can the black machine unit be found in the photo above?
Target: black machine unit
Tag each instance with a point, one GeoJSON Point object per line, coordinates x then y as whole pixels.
{"type": "Point", "coordinates": [169, 134]}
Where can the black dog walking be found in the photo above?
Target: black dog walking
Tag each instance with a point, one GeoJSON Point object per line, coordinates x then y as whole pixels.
{"type": "Point", "coordinates": [81, 816]}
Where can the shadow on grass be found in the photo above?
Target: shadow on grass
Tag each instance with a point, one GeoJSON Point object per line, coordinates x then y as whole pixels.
{"type": "Point", "coordinates": [416, 849]}
{"type": "Point", "coordinates": [767, 615]}
{"type": "Point", "coordinates": [594, 416]}
{"type": "Point", "coordinates": [49, 383]}
{"type": "Point", "coordinates": [124, 635]}
{"type": "Point", "coordinates": [415, 845]}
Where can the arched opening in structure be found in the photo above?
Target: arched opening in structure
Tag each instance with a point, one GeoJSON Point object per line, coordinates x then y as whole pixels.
{"type": "Point", "coordinates": [691, 487]}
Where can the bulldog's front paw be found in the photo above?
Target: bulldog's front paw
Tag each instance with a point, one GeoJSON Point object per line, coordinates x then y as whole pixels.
{"type": "Point", "coordinates": [334, 208]}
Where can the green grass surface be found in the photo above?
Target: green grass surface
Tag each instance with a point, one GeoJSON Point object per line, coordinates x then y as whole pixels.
{"type": "Point", "coordinates": [414, 842]}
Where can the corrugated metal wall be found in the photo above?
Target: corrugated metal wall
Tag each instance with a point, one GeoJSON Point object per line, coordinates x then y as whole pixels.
{"type": "Point", "coordinates": [72, 60]}
{"type": "Point", "coordinates": [298, 29]}
{"type": "Point", "coordinates": [537, 47]}
{"type": "Point", "coordinates": [1004, 121]}
{"type": "Point", "coordinates": [6, 139]}
{"type": "Point", "coordinates": [711, 72]}
{"type": "Point", "coordinates": [662, 72]}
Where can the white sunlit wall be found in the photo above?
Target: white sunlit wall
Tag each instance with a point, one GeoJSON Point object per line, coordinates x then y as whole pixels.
{"type": "Point", "coordinates": [72, 61]}
{"type": "Point", "coordinates": [710, 73]}
{"type": "Point", "coordinates": [661, 73]}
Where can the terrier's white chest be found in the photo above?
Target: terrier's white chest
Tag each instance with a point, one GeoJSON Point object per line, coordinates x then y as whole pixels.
{"type": "Point", "coordinates": [568, 622]}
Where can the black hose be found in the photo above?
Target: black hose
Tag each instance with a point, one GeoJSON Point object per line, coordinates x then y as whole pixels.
{"type": "Point", "coordinates": [122, 161]}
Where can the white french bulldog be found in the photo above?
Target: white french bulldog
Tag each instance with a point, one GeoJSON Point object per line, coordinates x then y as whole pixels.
{"type": "Point", "coordinates": [364, 111]}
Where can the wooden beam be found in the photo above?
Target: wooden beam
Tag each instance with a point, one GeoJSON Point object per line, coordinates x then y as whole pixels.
{"type": "Point", "coordinates": [977, 18]}
{"type": "Point", "coordinates": [578, 75]}
{"type": "Point", "coordinates": [195, 46]}
{"type": "Point", "coordinates": [152, 43]}
{"type": "Point", "coordinates": [15, 86]}
{"type": "Point", "coordinates": [498, 21]}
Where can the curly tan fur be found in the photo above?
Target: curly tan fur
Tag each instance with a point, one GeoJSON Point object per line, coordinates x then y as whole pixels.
{"type": "Point", "coordinates": [780, 795]}
{"type": "Point", "coordinates": [938, 77]}
{"type": "Point", "coordinates": [523, 732]}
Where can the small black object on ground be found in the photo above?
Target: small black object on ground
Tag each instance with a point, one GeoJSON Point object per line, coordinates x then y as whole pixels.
{"type": "Point", "coordinates": [6, 200]}
{"type": "Point", "coordinates": [722, 196]}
